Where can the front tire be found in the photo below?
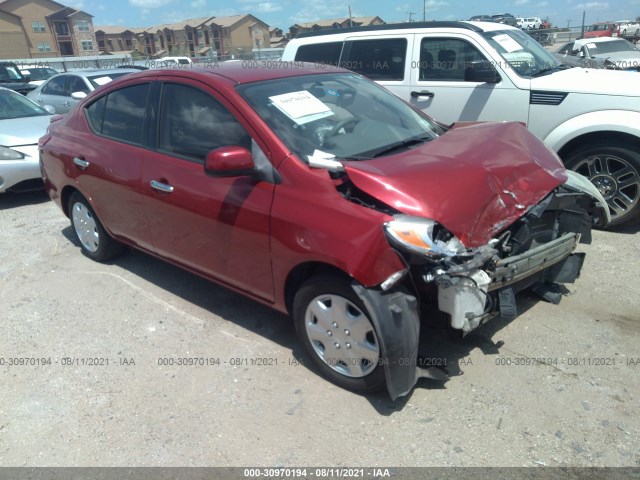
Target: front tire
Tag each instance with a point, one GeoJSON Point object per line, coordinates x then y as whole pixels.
{"type": "Point", "coordinates": [615, 171]}
{"type": "Point", "coordinates": [94, 240]}
{"type": "Point", "coordinates": [336, 331]}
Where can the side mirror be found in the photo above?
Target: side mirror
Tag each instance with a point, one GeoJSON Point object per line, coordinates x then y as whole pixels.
{"type": "Point", "coordinates": [481, 71]}
{"type": "Point", "coordinates": [78, 95]}
{"type": "Point", "coordinates": [49, 108]}
{"type": "Point", "coordinates": [231, 161]}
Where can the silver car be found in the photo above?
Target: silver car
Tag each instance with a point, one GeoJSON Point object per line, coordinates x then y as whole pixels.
{"type": "Point", "coordinates": [64, 90]}
{"type": "Point", "coordinates": [22, 123]}
{"type": "Point", "coordinates": [604, 52]}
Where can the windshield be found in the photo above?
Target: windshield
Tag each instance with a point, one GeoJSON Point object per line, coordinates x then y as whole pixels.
{"type": "Point", "coordinates": [521, 52]}
{"type": "Point", "coordinates": [337, 115]}
{"type": "Point", "coordinates": [613, 46]}
{"type": "Point", "coordinates": [14, 105]}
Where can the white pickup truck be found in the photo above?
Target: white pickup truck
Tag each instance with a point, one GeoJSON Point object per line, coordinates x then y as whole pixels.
{"type": "Point", "coordinates": [481, 71]}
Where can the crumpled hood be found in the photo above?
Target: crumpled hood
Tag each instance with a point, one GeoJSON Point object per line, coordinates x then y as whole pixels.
{"type": "Point", "coordinates": [23, 131]}
{"type": "Point", "coordinates": [475, 180]}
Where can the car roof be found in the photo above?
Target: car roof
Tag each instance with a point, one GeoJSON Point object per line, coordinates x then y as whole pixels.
{"type": "Point", "coordinates": [465, 25]}
{"type": "Point", "coordinates": [239, 72]}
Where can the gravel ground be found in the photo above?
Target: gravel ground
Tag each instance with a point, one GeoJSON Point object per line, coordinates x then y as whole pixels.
{"type": "Point", "coordinates": [501, 407]}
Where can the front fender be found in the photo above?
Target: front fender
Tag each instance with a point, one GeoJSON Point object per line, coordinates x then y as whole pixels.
{"type": "Point", "coordinates": [622, 121]}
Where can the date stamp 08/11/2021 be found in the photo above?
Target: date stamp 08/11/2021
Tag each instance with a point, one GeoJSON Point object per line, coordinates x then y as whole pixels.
{"type": "Point", "coordinates": [571, 361]}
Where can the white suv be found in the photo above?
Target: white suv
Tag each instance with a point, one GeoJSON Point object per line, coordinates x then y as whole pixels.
{"type": "Point", "coordinates": [481, 71]}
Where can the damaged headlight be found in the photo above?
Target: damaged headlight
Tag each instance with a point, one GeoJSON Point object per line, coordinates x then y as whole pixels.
{"type": "Point", "coordinates": [423, 236]}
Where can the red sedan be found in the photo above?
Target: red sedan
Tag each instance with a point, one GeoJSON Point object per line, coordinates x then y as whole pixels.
{"type": "Point", "coordinates": [320, 193]}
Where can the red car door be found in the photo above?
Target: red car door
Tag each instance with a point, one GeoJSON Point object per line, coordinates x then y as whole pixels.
{"type": "Point", "coordinates": [107, 160]}
{"type": "Point", "coordinates": [219, 227]}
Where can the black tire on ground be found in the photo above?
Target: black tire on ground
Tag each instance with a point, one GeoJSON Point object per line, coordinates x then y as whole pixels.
{"type": "Point", "coordinates": [616, 173]}
{"type": "Point", "coordinates": [335, 329]}
{"type": "Point", "coordinates": [94, 240]}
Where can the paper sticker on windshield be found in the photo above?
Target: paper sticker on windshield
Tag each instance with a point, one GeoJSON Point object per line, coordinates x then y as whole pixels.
{"type": "Point", "coordinates": [592, 45]}
{"type": "Point", "coordinates": [102, 80]}
{"type": "Point", "coordinates": [301, 107]}
{"type": "Point", "coordinates": [508, 43]}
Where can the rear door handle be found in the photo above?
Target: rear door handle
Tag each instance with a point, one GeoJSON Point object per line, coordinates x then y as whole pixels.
{"type": "Point", "coordinates": [161, 187]}
{"type": "Point", "coordinates": [423, 93]}
{"type": "Point", "coordinates": [81, 163]}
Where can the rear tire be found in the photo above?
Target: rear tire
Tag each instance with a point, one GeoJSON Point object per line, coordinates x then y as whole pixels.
{"type": "Point", "coordinates": [335, 329]}
{"type": "Point", "coordinates": [94, 240]}
{"type": "Point", "coordinates": [616, 173]}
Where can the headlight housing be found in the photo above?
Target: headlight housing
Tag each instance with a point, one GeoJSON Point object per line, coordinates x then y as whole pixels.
{"type": "Point", "coordinates": [7, 153]}
{"type": "Point", "coordinates": [423, 236]}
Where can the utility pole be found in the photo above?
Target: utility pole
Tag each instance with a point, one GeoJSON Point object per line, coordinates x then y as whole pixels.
{"type": "Point", "coordinates": [583, 14]}
{"type": "Point", "coordinates": [411, 13]}
{"type": "Point", "coordinates": [350, 19]}
{"type": "Point", "coordinates": [424, 10]}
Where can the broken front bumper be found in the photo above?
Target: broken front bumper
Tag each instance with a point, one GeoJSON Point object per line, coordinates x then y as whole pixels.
{"type": "Point", "coordinates": [467, 297]}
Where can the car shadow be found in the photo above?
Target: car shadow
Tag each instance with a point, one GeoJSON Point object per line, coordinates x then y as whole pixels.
{"type": "Point", "coordinates": [437, 344]}
{"type": "Point", "coordinates": [10, 200]}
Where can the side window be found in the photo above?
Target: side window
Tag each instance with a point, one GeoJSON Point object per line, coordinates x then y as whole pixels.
{"type": "Point", "coordinates": [124, 113]}
{"type": "Point", "coordinates": [192, 123]}
{"type": "Point", "coordinates": [76, 84]}
{"type": "Point", "coordinates": [55, 86]}
{"type": "Point", "coordinates": [323, 53]}
{"type": "Point", "coordinates": [445, 59]}
{"type": "Point", "coordinates": [567, 49]}
{"type": "Point", "coordinates": [377, 59]}
{"type": "Point", "coordinates": [95, 113]}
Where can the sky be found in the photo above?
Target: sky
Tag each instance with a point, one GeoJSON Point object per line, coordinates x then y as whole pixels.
{"type": "Point", "coordinates": [284, 13]}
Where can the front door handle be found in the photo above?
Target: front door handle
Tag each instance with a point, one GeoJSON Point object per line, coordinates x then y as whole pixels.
{"type": "Point", "coordinates": [423, 93]}
{"type": "Point", "coordinates": [80, 162]}
{"type": "Point", "coordinates": [161, 187]}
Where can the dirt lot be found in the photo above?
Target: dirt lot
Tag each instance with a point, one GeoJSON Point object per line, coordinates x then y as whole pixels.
{"type": "Point", "coordinates": [502, 406]}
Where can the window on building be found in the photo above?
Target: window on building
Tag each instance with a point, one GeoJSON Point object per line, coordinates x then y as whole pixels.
{"type": "Point", "coordinates": [87, 45]}
{"type": "Point", "coordinates": [38, 27]}
{"type": "Point", "coordinates": [83, 26]}
{"type": "Point", "coordinates": [44, 47]}
{"type": "Point", "coordinates": [62, 28]}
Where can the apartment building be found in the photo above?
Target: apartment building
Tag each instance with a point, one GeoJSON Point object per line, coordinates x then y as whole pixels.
{"type": "Point", "coordinates": [333, 23]}
{"type": "Point", "coordinates": [206, 37]}
{"type": "Point", "coordinates": [119, 40]}
{"type": "Point", "coordinates": [49, 29]}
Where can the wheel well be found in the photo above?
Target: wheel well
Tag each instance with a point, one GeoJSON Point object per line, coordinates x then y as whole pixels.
{"type": "Point", "coordinates": [64, 198]}
{"type": "Point", "coordinates": [617, 139]}
{"type": "Point", "coordinates": [302, 273]}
